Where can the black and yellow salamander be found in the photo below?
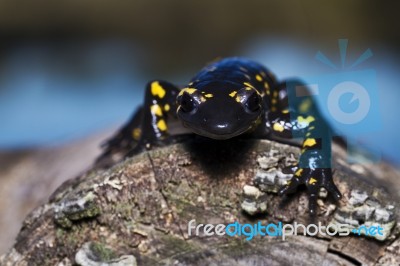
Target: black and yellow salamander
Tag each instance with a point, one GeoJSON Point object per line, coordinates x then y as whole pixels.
{"type": "Point", "coordinates": [232, 97]}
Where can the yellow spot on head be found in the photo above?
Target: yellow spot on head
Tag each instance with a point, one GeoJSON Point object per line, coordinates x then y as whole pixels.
{"type": "Point", "coordinates": [209, 95]}
{"type": "Point", "coordinates": [312, 181]}
{"type": "Point", "coordinates": [311, 128]}
{"type": "Point", "coordinates": [278, 127]}
{"type": "Point", "coordinates": [275, 94]}
{"type": "Point", "coordinates": [263, 74]}
{"type": "Point", "coordinates": [190, 90]}
{"type": "Point", "coordinates": [162, 125]}
{"type": "Point", "coordinates": [248, 85]}
{"type": "Point", "coordinates": [237, 99]}
{"type": "Point", "coordinates": [286, 111]}
{"type": "Point", "coordinates": [232, 94]}
{"type": "Point", "coordinates": [167, 107]}
{"type": "Point", "coordinates": [273, 109]}
{"type": "Point", "coordinates": [187, 90]}
{"type": "Point", "coordinates": [258, 78]}
{"type": "Point", "coordinates": [308, 134]}
{"type": "Point", "coordinates": [298, 172]}
{"type": "Point", "coordinates": [136, 133]}
{"type": "Point", "coordinates": [156, 110]}
{"type": "Point", "coordinates": [309, 142]}
{"type": "Point", "coordinates": [274, 101]}
{"type": "Point", "coordinates": [248, 89]}
{"type": "Point", "coordinates": [157, 90]}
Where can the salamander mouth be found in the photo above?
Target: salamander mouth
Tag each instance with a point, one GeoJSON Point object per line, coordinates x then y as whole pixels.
{"type": "Point", "coordinates": [219, 134]}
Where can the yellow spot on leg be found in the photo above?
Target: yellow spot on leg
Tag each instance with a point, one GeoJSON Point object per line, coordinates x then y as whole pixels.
{"type": "Point", "coordinates": [298, 172]}
{"type": "Point", "coordinates": [258, 78]}
{"type": "Point", "coordinates": [162, 125]}
{"type": "Point", "coordinates": [305, 105]}
{"type": "Point", "coordinates": [278, 127]}
{"type": "Point", "coordinates": [209, 95]}
{"type": "Point", "coordinates": [157, 90]}
{"type": "Point", "coordinates": [312, 181]}
{"type": "Point", "coordinates": [156, 110]}
{"type": "Point", "coordinates": [286, 111]}
{"type": "Point", "coordinates": [167, 107]}
{"type": "Point", "coordinates": [309, 142]}
{"type": "Point", "coordinates": [307, 120]}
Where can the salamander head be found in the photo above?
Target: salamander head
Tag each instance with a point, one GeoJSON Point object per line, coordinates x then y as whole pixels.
{"type": "Point", "coordinates": [219, 113]}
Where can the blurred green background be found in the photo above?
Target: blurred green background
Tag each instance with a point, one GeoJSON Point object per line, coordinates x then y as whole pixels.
{"type": "Point", "coordinates": [71, 68]}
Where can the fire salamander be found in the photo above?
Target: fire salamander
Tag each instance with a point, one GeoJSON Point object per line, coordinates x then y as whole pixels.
{"type": "Point", "coordinates": [231, 97]}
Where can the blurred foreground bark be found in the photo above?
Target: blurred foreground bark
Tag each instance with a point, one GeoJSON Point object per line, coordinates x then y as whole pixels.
{"type": "Point", "coordinates": [28, 178]}
{"type": "Point", "coordinates": [137, 212]}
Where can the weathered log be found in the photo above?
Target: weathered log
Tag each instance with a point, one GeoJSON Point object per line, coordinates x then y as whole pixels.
{"type": "Point", "coordinates": [137, 212]}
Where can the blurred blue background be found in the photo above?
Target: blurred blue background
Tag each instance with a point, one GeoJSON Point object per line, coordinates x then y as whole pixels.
{"type": "Point", "coordinates": [64, 77]}
{"type": "Point", "coordinates": [53, 95]}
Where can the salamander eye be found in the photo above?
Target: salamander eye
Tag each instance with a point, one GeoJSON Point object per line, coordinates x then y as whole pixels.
{"type": "Point", "coordinates": [253, 102]}
{"type": "Point", "coordinates": [188, 103]}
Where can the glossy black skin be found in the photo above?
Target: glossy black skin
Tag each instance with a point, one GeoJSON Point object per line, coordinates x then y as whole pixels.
{"type": "Point", "coordinates": [228, 98]}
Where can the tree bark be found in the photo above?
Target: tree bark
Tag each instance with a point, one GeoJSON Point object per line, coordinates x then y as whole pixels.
{"type": "Point", "coordinates": [137, 212]}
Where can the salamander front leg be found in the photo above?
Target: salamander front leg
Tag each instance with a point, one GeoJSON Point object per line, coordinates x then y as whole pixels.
{"type": "Point", "coordinates": [158, 109]}
{"type": "Point", "coordinates": [314, 167]}
{"type": "Point", "coordinates": [302, 119]}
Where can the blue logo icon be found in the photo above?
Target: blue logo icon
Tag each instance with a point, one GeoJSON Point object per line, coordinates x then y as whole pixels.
{"type": "Point", "coordinates": [349, 99]}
